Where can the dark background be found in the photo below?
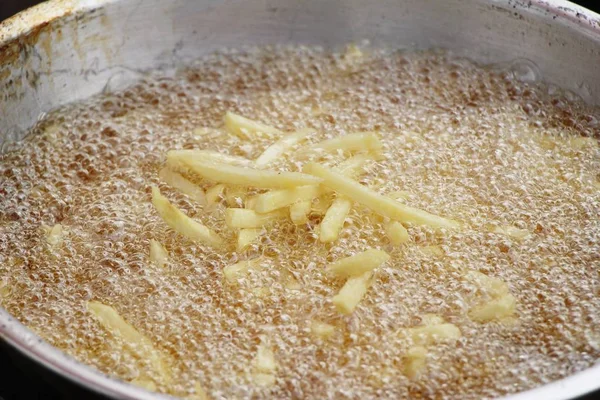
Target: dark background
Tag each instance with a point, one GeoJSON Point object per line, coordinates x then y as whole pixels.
{"type": "Point", "coordinates": [23, 382]}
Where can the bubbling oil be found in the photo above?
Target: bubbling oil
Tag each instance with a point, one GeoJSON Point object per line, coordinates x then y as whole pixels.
{"type": "Point", "coordinates": [475, 144]}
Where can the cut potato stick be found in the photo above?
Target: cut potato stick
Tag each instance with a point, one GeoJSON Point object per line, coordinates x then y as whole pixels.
{"type": "Point", "coordinates": [382, 205]}
{"type": "Point", "coordinates": [183, 224]}
{"type": "Point", "coordinates": [277, 149]}
{"type": "Point", "coordinates": [234, 271]}
{"type": "Point", "coordinates": [55, 235]}
{"type": "Point", "coordinates": [352, 293]}
{"type": "Point", "coordinates": [158, 254]}
{"type": "Point", "coordinates": [265, 366]}
{"type": "Point", "coordinates": [498, 308]}
{"type": "Point", "coordinates": [415, 361]}
{"type": "Point", "coordinates": [180, 183]}
{"type": "Point", "coordinates": [176, 157]}
{"type": "Point", "coordinates": [243, 218]}
{"type": "Point", "coordinates": [333, 222]}
{"type": "Point", "coordinates": [322, 203]}
{"type": "Point", "coordinates": [235, 195]}
{"type": "Point", "coordinates": [431, 334]}
{"type": "Point", "coordinates": [234, 175]}
{"type": "Point", "coordinates": [322, 330]}
{"type": "Point", "coordinates": [110, 319]}
{"type": "Point", "coordinates": [247, 128]}
{"type": "Point", "coordinates": [492, 286]}
{"type": "Point", "coordinates": [214, 194]}
{"type": "Point", "coordinates": [353, 166]}
{"type": "Point", "coordinates": [277, 199]}
{"type": "Point", "coordinates": [397, 233]}
{"type": "Point", "coordinates": [246, 237]}
{"type": "Point", "coordinates": [350, 142]}
{"type": "Point", "coordinates": [299, 212]}
{"type": "Point", "coordinates": [359, 263]}
{"type": "Point", "coordinates": [510, 231]}
{"type": "Point", "coordinates": [144, 383]}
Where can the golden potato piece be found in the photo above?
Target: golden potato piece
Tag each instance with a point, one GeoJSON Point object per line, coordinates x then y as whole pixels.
{"type": "Point", "coordinates": [497, 308]}
{"type": "Point", "coordinates": [299, 212]}
{"type": "Point", "coordinates": [246, 237]}
{"type": "Point", "coordinates": [247, 128]}
{"type": "Point", "coordinates": [334, 220]}
{"type": "Point", "coordinates": [510, 231]}
{"type": "Point", "coordinates": [431, 334]}
{"type": "Point", "coordinates": [234, 175]}
{"type": "Point", "coordinates": [277, 199]}
{"type": "Point", "coordinates": [243, 218]}
{"type": "Point", "coordinates": [492, 286]}
{"type": "Point", "coordinates": [361, 141]}
{"type": "Point", "coordinates": [279, 148]}
{"type": "Point", "coordinates": [234, 271]}
{"type": "Point", "coordinates": [353, 166]}
{"type": "Point", "coordinates": [158, 254]}
{"type": "Point", "coordinates": [176, 158]}
{"type": "Point", "coordinates": [359, 263]}
{"type": "Point", "coordinates": [352, 293]}
{"type": "Point", "coordinates": [55, 235]}
{"type": "Point", "coordinates": [183, 224]}
{"type": "Point", "coordinates": [380, 204]}
{"type": "Point", "coordinates": [322, 330]}
{"type": "Point", "coordinates": [415, 362]}
{"type": "Point", "coordinates": [397, 233]}
{"type": "Point", "coordinates": [183, 185]}
{"type": "Point", "coordinates": [214, 194]}
{"type": "Point", "coordinates": [265, 366]}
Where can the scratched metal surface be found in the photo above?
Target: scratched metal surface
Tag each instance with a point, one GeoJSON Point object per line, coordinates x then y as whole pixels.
{"type": "Point", "coordinates": [66, 50]}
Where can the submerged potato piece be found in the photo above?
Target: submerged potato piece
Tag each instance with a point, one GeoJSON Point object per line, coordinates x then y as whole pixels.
{"type": "Point", "coordinates": [235, 195]}
{"type": "Point", "coordinates": [299, 212]}
{"type": "Point", "coordinates": [110, 319]}
{"type": "Point", "coordinates": [359, 263]}
{"type": "Point", "coordinates": [397, 233]}
{"type": "Point", "coordinates": [183, 224]}
{"type": "Point", "coordinates": [182, 184]}
{"type": "Point", "coordinates": [243, 218]}
{"type": "Point", "coordinates": [54, 235]}
{"type": "Point", "coordinates": [177, 157]}
{"type": "Point", "coordinates": [279, 148]}
{"type": "Point", "coordinates": [352, 293]}
{"type": "Point", "coordinates": [322, 330]}
{"type": "Point", "coordinates": [510, 231]}
{"type": "Point", "coordinates": [246, 237]}
{"type": "Point", "coordinates": [352, 166]}
{"type": "Point", "coordinates": [333, 222]}
{"type": "Point", "coordinates": [497, 308]}
{"type": "Point", "coordinates": [200, 393]}
{"type": "Point", "coordinates": [430, 334]}
{"type": "Point", "coordinates": [276, 199]}
{"type": "Point", "coordinates": [144, 383]}
{"type": "Point", "coordinates": [158, 254]}
{"type": "Point", "coordinates": [322, 204]}
{"type": "Point", "coordinates": [351, 142]}
{"type": "Point", "coordinates": [247, 128]}
{"type": "Point", "coordinates": [492, 286]}
{"type": "Point", "coordinates": [380, 204]}
{"type": "Point", "coordinates": [234, 271]}
{"type": "Point", "coordinates": [265, 366]}
{"type": "Point", "coordinates": [433, 250]}
{"type": "Point", "coordinates": [214, 194]}
{"type": "Point", "coordinates": [415, 361]}
{"type": "Point", "coordinates": [234, 175]}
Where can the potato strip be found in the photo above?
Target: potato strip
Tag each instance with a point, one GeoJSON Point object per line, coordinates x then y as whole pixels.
{"type": "Point", "coordinates": [279, 148]}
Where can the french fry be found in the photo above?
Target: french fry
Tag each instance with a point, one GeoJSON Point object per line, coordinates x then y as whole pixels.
{"type": "Point", "coordinates": [243, 218]}
{"type": "Point", "coordinates": [352, 293]}
{"type": "Point", "coordinates": [279, 148]}
{"type": "Point", "coordinates": [359, 263]}
{"type": "Point", "coordinates": [351, 142]}
{"type": "Point", "coordinates": [264, 366]}
{"type": "Point", "coordinates": [177, 157]}
{"type": "Point", "coordinates": [510, 231]}
{"type": "Point", "coordinates": [433, 250]}
{"type": "Point", "coordinates": [322, 330]}
{"type": "Point", "coordinates": [55, 235]}
{"type": "Point", "coordinates": [110, 319]}
{"type": "Point", "coordinates": [397, 233]}
{"type": "Point", "coordinates": [415, 361]}
{"type": "Point", "coordinates": [234, 271]}
{"type": "Point", "coordinates": [353, 166]}
{"type": "Point", "coordinates": [235, 195]}
{"type": "Point", "coordinates": [183, 224]}
{"type": "Point", "coordinates": [214, 194]}
{"type": "Point", "coordinates": [333, 222]}
{"type": "Point", "coordinates": [497, 308]}
{"type": "Point", "coordinates": [158, 254]}
{"type": "Point", "coordinates": [322, 203]}
{"type": "Point", "coordinates": [180, 183]}
{"type": "Point", "coordinates": [380, 204]}
{"type": "Point", "coordinates": [492, 286]}
{"type": "Point", "coordinates": [277, 199]}
{"type": "Point", "coordinates": [299, 212]}
{"type": "Point", "coordinates": [234, 175]}
{"type": "Point", "coordinates": [246, 237]}
{"type": "Point", "coordinates": [247, 128]}
{"type": "Point", "coordinates": [430, 334]}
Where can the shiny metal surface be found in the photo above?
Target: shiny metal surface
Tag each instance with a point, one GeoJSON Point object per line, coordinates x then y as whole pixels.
{"type": "Point", "coordinates": [67, 50]}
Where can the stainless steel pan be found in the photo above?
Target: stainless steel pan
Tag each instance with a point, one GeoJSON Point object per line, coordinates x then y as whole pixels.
{"type": "Point", "coordinates": [66, 50]}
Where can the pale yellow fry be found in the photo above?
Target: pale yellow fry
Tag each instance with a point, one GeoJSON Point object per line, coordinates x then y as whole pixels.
{"type": "Point", "coordinates": [176, 157]}
{"type": "Point", "coordinates": [322, 330]}
{"type": "Point", "coordinates": [498, 308]}
{"type": "Point", "coordinates": [352, 142]}
{"type": "Point", "coordinates": [352, 293]}
{"type": "Point", "coordinates": [246, 237]}
{"type": "Point", "coordinates": [234, 271]}
{"type": "Point", "coordinates": [183, 224]}
{"type": "Point", "coordinates": [397, 233]}
{"type": "Point", "coordinates": [322, 203]}
{"type": "Point", "coordinates": [158, 254]}
{"type": "Point", "coordinates": [353, 166]}
{"type": "Point", "coordinates": [55, 235]}
{"type": "Point", "coordinates": [182, 184]}
{"type": "Point", "coordinates": [415, 361]}
{"type": "Point", "coordinates": [359, 263]}
{"type": "Point", "coordinates": [333, 222]}
{"type": "Point", "coordinates": [247, 128]}
{"type": "Point", "coordinates": [382, 205]}
{"type": "Point", "coordinates": [243, 218]}
{"type": "Point", "coordinates": [234, 175]}
{"type": "Point", "coordinates": [299, 212]}
{"type": "Point", "coordinates": [277, 199]}
{"type": "Point", "coordinates": [110, 319]}
{"type": "Point", "coordinates": [510, 231]}
{"type": "Point", "coordinates": [279, 148]}
{"type": "Point", "coordinates": [431, 334]}
{"type": "Point", "coordinates": [492, 286]}
{"type": "Point", "coordinates": [214, 194]}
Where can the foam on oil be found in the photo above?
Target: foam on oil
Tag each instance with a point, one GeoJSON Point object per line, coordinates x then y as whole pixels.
{"type": "Point", "coordinates": [478, 145]}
